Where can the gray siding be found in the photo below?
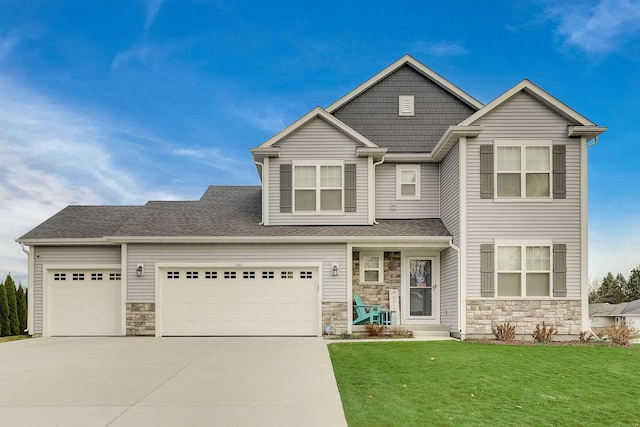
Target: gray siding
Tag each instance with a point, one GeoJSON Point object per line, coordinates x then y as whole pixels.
{"type": "Point", "coordinates": [142, 289]}
{"type": "Point", "coordinates": [450, 192]}
{"type": "Point", "coordinates": [318, 140]}
{"type": "Point", "coordinates": [449, 289]}
{"type": "Point", "coordinates": [387, 207]}
{"type": "Point", "coordinates": [374, 113]}
{"type": "Point", "coordinates": [523, 117]}
{"type": "Point", "coordinates": [66, 255]}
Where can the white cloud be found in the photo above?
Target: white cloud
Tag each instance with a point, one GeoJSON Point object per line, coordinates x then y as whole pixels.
{"type": "Point", "coordinates": [442, 48]}
{"type": "Point", "coordinates": [153, 6]}
{"type": "Point", "coordinates": [52, 155]}
{"type": "Point", "coordinates": [215, 158]}
{"type": "Point", "coordinates": [596, 28]}
{"type": "Point", "coordinates": [136, 54]}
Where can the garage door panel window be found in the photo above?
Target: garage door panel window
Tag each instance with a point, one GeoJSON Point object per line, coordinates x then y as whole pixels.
{"type": "Point", "coordinates": [306, 275]}
{"type": "Point", "coordinates": [173, 274]}
{"type": "Point", "coordinates": [268, 275]}
{"type": "Point", "coordinates": [248, 274]}
{"type": "Point", "coordinates": [60, 276]}
{"type": "Point", "coordinates": [78, 276]}
{"type": "Point", "coordinates": [96, 276]}
{"type": "Point", "coordinates": [286, 274]}
{"type": "Point", "coordinates": [192, 274]}
{"type": "Point", "coordinates": [229, 274]}
{"type": "Point", "coordinates": [114, 276]}
{"type": "Point", "coordinates": [211, 275]}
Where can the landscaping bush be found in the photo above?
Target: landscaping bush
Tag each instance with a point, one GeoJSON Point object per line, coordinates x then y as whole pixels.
{"type": "Point", "coordinates": [619, 334]}
{"type": "Point", "coordinates": [14, 321]}
{"type": "Point", "coordinates": [5, 326]}
{"type": "Point", "coordinates": [504, 332]}
{"type": "Point", "coordinates": [22, 308]}
{"type": "Point", "coordinates": [400, 332]}
{"type": "Point", "coordinates": [542, 334]}
{"type": "Point", "coordinates": [374, 330]}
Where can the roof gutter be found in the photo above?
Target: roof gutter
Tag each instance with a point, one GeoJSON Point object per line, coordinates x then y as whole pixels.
{"type": "Point", "coordinates": [278, 239]}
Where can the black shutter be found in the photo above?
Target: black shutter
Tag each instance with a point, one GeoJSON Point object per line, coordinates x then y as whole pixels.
{"type": "Point", "coordinates": [285, 188]}
{"type": "Point", "coordinates": [486, 270]}
{"type": "Point", "coordinates": [350, 187]}
{"type": "Point", "coordinates": [559, 171]}
{"type": "Point", "coordinates": [559, 270]}
{"type": "Point", "coordinates": [486, 171]}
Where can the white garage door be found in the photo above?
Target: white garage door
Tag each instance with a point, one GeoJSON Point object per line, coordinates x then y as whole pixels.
{"type": "Point", "coordinates": [85, 302]}
{"type": "Point", "coordinates": [248, 301]}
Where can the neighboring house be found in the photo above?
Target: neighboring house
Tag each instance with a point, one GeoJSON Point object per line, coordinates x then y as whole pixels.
{"type": "Point", "coordinates": [475, 214]}
{"type": "Point", "coordinates": [604, 314]}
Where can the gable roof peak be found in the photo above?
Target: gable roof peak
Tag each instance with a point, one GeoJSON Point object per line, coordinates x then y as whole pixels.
{"type": "Point", "coordinates": [536, 92]}
{"type": "Point", "coordinates": [420, 68]}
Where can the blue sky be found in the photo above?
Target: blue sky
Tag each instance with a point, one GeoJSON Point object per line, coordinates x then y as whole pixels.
{"type": "Point", "coordinates": [124, 102]}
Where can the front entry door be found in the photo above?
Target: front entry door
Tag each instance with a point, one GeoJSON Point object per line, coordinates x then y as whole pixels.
{"type": "Point", "coordinates": [421, 287]}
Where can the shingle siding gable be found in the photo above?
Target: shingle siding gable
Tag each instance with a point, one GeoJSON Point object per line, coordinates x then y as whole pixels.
{"type": "Point", "coordinates": [374, 113]}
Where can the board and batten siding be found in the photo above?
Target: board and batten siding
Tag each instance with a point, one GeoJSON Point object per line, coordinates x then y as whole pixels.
{"type": "Point", "coordinates": [450, 192]}
{"type": "Point", "coordinates": [449, 289]}
{"type": "Point", "coordinates": [142, 289]}
{"type": "Point", "coordinates": [558, 220]}
{"type": "Point", "coordinates": [388, 207]}
{"type": "Point", "coordinates": [318, 140]}
{"type": "Point", "coordinates": [67, 255]}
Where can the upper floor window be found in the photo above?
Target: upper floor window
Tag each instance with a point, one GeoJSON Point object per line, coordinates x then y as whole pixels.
{"type": "Point", "coordinates": [408, 182]}
{"type": "Point", "coordinates": [317, 187]}
{"type": "Point", "coordinates": [523, 171]}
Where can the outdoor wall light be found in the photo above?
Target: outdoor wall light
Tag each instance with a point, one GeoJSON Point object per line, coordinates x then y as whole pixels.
{"type": "Point", "coordinates": [139, 270]}
{"type": "Point", "coordinates": [334, 269]}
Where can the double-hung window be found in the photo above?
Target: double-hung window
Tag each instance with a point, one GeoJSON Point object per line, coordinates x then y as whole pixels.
{"type": "Point", "coordinates": [408, 182]}
{"type": "Point", "coordinates": [318, 187]}
{"type": "Point", "coordinates": [371, 269]}
{"type": "Point", "coordinates": [523, 270]}
{"type": "Point", "coordinates": [523, 170]}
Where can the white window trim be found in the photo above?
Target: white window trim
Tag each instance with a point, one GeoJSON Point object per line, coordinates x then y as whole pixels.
{"type": "Point", "coordinates": [318, 164]}
{"type": "Point", "coordinates": [380, 268]}
{"type": "Point", "coordinates": [399, 169]}
{"type": "Point", "coordinates": [523, 144]}
{"type": "Point", "coordinates": [523, 244]}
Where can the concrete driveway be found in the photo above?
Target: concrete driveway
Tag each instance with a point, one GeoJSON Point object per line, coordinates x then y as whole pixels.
{"type": "Point", "coordinates": [168, 382]}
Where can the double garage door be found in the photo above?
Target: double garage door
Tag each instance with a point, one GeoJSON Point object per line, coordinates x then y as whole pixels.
{"type": "Point", "coordinates": [238, 301]}
{"type": "Point", "coordinates": [85, 302]}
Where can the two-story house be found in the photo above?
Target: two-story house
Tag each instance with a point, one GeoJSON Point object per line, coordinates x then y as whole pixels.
{"type": "Point", "coordinates": [406, 192]}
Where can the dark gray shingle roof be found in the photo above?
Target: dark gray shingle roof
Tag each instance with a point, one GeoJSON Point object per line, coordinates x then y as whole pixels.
{"type": "Point", "coordinates": [223, 211]}
{"type": "Point", "coordinates": [83, 222]}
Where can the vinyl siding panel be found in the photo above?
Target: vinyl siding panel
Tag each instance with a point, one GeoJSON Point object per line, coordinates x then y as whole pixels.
{"type": "Point", "coordinates": [387, 207]}
{"type": "Point", "coordinates": [374, 113]}
{"type": "Point", "coordinates": [558, 220]}
{"type": "Point", "coordinates": [142, 289]}
{"type": "Point", "coordinates": [449, 289]}
{"type": "Point", "coordinates": [450, 192]}
{"type": "Point", "coordinates": [318, 140]}
{"type": "Point", "coordinates": [79, 256]}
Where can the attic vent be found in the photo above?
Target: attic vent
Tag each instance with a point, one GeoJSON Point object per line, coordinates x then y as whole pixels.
{"type": "Point", "coordinates": [405, 105]}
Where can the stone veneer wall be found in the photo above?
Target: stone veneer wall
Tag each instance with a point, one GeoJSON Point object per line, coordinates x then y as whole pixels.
{"type": "Point", "coordinates": [141, 319]}
{"type": "Point", "coordinates": [376, 293]}
{"type": "Point", "coordinates": [564, 315]}
{"type": "Point", "coordinates": [335, 315]}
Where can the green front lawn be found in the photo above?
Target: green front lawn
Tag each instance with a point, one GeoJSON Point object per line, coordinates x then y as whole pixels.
{"type": "Point", "coordinates": [450, 383]}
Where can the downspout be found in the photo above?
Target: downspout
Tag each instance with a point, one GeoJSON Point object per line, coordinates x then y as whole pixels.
{"type": "Point", "coordinates": [262, 198]}
{"type": "Point", "coordinates": [374, 187]}
{"type": "Point", "coordinates": [595, 141]}
{"type": "Point", "coordinates": [26, 251]}
{"type": "Point", "coordinates": [457, 249]}
{"type": "Point", "coordinates": [30, 288]}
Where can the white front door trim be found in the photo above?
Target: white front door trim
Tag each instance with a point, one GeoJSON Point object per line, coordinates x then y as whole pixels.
{"type": "Point", "coordinates": [404, 292]}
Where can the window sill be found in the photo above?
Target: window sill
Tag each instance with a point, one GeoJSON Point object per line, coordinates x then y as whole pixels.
{"type": "Point", "coordinates": [523, 199]}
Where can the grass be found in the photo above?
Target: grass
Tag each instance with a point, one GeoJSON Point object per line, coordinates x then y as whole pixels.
{"type": "Point", "coordinates": [452, 383]}
{"type": "Point", "coordinates": [13, 338]}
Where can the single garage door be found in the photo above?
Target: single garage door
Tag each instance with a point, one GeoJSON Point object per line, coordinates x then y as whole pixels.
{"type": "Point", "coordinates": [85, 302]}
{"type": "Point", "coordinates": [235, 302]}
